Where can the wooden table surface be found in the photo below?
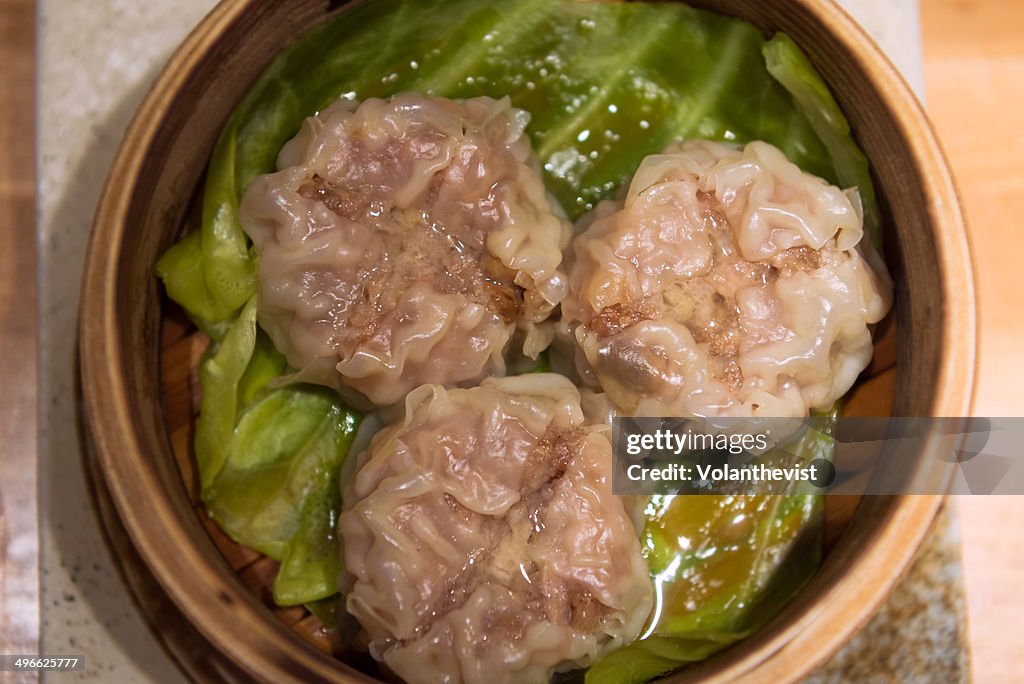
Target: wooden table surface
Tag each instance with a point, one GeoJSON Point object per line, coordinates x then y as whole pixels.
{"type": "Point", "coordinates": [19, 586]}
{"type": "Point", "coordinates": [974, 62]}
{"type": "Point", "coordinates": [974, 69]}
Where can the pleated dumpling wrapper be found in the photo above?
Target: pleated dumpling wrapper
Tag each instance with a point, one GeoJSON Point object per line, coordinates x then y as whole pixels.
{"type": "Point", "coordinates": [403, 242]}
{"type": "Point", "coordinates": [727, 283]}
{"type": "Point", "coordinates": [482, 539]}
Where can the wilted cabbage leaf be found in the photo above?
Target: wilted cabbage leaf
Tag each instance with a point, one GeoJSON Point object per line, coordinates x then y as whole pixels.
{"type": "Point", "coordinates": [269, 460]}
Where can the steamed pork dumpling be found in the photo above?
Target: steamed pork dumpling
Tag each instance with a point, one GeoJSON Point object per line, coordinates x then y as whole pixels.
{"type": "Point", "coordinates": [728, 283]}
{"type": "Point", "coordinates": [403, 242]}
{"type": "Point", "coordinates": [483, 539]}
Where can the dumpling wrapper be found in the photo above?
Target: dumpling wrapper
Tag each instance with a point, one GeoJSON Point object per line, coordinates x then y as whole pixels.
{"type": "Point", "coordinates": [727, 283]}
{"type": "Point", "coordinates": [403, 242]}
{"type": "Point", "coordinates": [483, 541]}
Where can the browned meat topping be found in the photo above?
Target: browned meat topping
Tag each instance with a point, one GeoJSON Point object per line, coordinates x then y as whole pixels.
{"type": "Point", "coordinates": [548, 598]}
{"type": "Point", "coordinates": [797, 259]}
{"type": "Point", "coordinates": [549, 458]}
{"type": "Point", "coordinates": [706, 304]}
{"type": "Point", "coordinates": [341, 201]}
{"type": "Point", "coordinates": [563, 602]}
{"type": "Point", "coordinates": [414, 244]}
{"type": "Point", "coordinates": [614, 319]}
{"type": "Point", "coordinates": [587, 613]}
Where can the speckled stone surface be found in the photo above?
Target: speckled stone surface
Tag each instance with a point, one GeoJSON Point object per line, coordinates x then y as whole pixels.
{"type": "Point", "coordinates": [96, 60]}
{"type": "Point", "coordinates": [919, 635]}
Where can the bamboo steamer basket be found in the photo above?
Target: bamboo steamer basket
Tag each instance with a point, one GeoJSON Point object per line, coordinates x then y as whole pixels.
{"type": "Point", "coordinates": [208, 598]}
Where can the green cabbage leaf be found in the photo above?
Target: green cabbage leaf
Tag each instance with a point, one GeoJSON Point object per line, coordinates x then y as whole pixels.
{"type": "Point", "coordinates": [269, 460]}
